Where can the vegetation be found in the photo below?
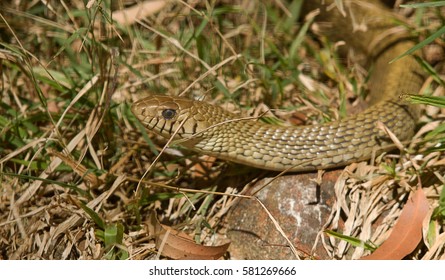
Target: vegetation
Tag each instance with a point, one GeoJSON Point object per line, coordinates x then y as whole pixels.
{"type": "Point", "coordinates": [79, 175]}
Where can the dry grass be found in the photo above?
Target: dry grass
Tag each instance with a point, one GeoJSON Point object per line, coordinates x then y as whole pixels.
{"type": "Point", "coordinates": [72, 155]}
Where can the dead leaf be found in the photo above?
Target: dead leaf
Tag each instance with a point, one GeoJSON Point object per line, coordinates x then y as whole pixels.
{"type": "Point", "coordinates": [178, 245]}
{"type": "Point", "coordinates": [139, 11]}
{"type": "Point", "coordinates": [391, 135]}
{"type": "Point", "coordinates": [407, 232]}
{"type": "Point", "coordinates": [81, 170]}
{"type": "Point", "coordinates": [200, 170]}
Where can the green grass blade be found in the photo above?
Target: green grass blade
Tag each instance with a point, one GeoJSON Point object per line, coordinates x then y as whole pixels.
{"type": "Point", "coordinates": [422, 44]}
{"type": "Point", "coordinates": [351, 240]}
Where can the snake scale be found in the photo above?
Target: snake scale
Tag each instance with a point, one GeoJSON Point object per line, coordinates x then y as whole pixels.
{"type": "Point", "coordinates": [367, 28]}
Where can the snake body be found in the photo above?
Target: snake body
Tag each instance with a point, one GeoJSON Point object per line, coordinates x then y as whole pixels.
{"type": "Point", "coordinates": [210, 130]}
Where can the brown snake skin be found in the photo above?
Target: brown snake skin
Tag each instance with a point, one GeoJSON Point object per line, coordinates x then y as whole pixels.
{"type": "Point", "coordinates": [210, 130]}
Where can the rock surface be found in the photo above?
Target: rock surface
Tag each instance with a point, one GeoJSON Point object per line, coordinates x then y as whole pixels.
{"type": "Point", "coordinates": [301, 208]}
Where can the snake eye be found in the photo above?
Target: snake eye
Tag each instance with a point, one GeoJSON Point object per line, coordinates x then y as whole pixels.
{"type": "Point", "coordinates": [168, 114]}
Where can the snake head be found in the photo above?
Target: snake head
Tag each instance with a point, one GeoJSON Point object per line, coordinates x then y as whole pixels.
{"type": "Point", "coordinates": [186, 119]}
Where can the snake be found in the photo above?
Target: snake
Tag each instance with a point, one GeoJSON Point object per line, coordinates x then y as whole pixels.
{"type": "Point", "coordinates": [366, 27]}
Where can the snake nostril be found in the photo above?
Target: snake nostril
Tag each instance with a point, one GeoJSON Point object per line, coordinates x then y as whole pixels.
{"type": "Point", "coordinates": [168, 114]}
